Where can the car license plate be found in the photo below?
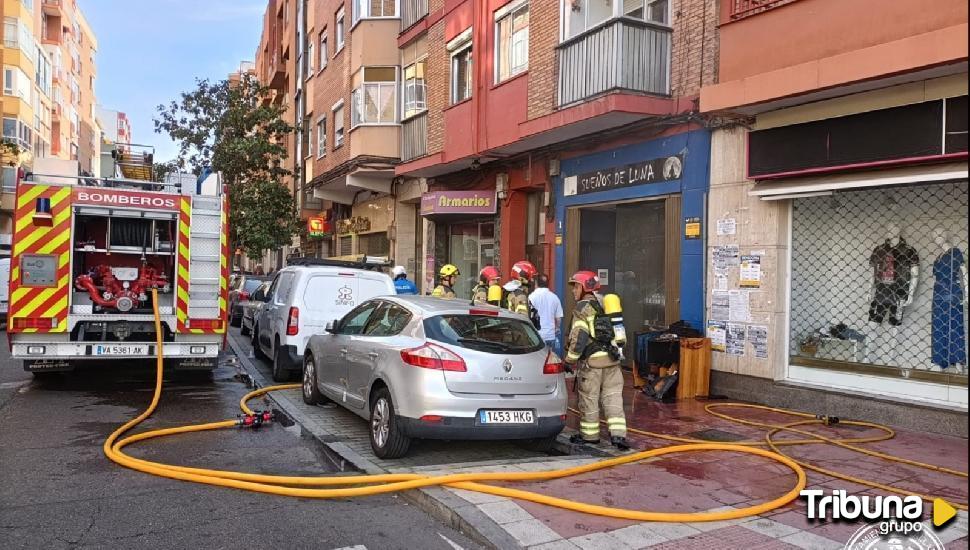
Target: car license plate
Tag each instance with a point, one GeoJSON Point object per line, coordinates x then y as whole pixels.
{"type": "Point", "coordinates": [120, 350]}
{"type": "Point", "coordinates": [506, 417]}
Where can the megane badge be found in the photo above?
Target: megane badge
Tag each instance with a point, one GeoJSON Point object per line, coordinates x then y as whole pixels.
{"type": "Point", "coordinates": [507, 365]}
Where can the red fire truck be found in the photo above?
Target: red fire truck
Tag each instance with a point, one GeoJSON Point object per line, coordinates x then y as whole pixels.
{"type": "Point", "coordinates": [87, 254]}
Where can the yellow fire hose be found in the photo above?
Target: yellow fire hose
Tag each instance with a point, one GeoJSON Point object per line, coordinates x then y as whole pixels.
{"type": "Point", "coordinates": [361, 485]}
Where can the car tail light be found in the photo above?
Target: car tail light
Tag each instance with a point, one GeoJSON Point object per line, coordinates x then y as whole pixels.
{"type": "Point", "coordinates": [293, 324]}
{"type": "Point", "coordinates": [204, 324]}
{"type": "Point", "coordinates": [490, 312]}
{"type": "Point", "coordinates": [553, 364]}
{"type": "Point", "coordinates": [430, 356]}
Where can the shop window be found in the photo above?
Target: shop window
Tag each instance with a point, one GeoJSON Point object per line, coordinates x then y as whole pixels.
{"type": "Point", "coordinates": [878, 281]}
{"type": "Point", "coordinates": [461, 67]}
{"type": "Point", "coordinates": [471, 246]}
{"type": "Point", "coordinates": [374, 244]}
{"type": "Point", "coordinates": [415, 90]}
{"type": "Point", "coordinates": [511, 41]}
{"type": "Point", "coordinates": [375, 101]}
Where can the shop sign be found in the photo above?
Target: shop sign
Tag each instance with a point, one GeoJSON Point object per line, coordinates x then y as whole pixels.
{"type": "Point", "coordinates": [318, 227]}
{"type": "Point", "coordinates": [650, 171]}
{"type": "Point", "coordinates": [458, 202]}
{"type": "Point", "coordinates": [357, 224]}
{"type": "Point", "coordinates": [692, 228]}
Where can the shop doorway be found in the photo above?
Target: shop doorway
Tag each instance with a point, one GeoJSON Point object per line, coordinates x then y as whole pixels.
{"type": "Point", "coordinates": [471, 246]}
{"type": "Point", "coordinates": [635, 249]}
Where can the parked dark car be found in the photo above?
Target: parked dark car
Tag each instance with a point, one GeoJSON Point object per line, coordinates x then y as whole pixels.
{"type": "Point", "coordinates": [241, 287]}
{"type": "Point", "coordinates": [250, 309]}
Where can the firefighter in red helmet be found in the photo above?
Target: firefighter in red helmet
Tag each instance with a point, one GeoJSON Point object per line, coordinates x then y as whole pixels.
{"type": "Point", "coordinates": [488, 279]}
{"type": "Point", "coordinates": [592, 352]}
{"type": "Point", "coordinates": [523, 275]}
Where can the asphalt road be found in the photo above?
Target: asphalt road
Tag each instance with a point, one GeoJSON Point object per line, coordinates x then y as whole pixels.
{"type": "Point", "coordinates": [57, 490]}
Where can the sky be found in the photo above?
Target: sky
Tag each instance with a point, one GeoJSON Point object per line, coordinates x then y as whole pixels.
{"type": "Point", "coordinates": [149, 51]}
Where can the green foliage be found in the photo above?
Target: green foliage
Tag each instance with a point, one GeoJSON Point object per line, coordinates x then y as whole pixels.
{"type": "Point", "coordinates": [238, 130]}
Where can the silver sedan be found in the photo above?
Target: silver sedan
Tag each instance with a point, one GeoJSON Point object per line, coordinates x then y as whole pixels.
{"type": "Point", "coordinates": [422, 367]}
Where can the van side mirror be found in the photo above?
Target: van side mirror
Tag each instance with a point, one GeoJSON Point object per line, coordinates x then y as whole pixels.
{"type": "Point", "coordinates": [331, 327]}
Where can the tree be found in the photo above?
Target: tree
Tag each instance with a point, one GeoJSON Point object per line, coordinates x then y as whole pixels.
{"type": "Point", "coordinates": [238, 130]}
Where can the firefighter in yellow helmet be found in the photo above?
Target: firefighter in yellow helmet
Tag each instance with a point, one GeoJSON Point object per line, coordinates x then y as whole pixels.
{"type": "Point", "coordinates": [447, 276]}
{"type": "Point", "coordinates": [592, 349]}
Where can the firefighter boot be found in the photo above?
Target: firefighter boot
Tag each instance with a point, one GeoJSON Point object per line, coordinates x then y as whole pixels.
{"type": "Point", "coordinates": [620, 443]}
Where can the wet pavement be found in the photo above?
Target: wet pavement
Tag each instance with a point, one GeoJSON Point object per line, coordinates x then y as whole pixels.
{"type": "Point", "coordinates": [57, 489]}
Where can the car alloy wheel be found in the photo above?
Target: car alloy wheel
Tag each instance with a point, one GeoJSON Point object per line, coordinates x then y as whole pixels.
{"type": "Point", "coordinates": [308, 375]}
{"type": "Point", "coordinates": [381, 422]}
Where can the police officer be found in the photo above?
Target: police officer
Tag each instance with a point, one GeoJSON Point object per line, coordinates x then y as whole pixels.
{"type": "Point", "coordinates": [401, 283]}
{"type": "Point", "coordinates": [523, 272]}
{"type": "Point", "coordinates": [487, 278]}
{"type": "Point", "coordinates": [447, 276]}
{"type": "Point", "coordinates": [599, 377]}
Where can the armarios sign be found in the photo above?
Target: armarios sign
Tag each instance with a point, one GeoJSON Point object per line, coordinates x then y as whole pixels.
{"type": "Point", "coordinates": [458, 202]}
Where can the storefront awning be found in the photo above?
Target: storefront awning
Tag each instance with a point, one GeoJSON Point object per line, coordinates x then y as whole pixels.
{"type": "Point", "coordinates": [826, 185]}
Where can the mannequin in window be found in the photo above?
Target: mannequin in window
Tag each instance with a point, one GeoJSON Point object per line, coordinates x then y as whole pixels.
{"type": "Point", "coordinates": [949, 293]}
{"type": "Point", "coordinates": [895, 275]}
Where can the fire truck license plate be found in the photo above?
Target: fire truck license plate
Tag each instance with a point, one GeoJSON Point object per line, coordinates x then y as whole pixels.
{"type": "Point", "coordinates": [120, 350]}
{"type": "Point", "coordinates": [506, 417]}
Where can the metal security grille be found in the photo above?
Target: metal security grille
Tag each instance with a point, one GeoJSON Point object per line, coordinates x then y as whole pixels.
{"type": "Point", "coordinates": [879, 278]}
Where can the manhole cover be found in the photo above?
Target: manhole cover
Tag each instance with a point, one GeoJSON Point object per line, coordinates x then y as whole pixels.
{"type": "Point", "coordinates": [716, 435]}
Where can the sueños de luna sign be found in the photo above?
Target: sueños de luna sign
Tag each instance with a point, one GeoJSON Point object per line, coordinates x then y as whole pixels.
{"type": "Point", "coordinates": [649, 171]}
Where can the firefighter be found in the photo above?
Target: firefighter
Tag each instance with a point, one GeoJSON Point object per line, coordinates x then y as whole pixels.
{"type": "Point", "coordinates": [447, 276]}
{"type": "Point", "coordinates": [591, 350]}
{"type": "Point", "coordinates": [487, 278]}
{"type": "Point", "coordinates": [523, 272]}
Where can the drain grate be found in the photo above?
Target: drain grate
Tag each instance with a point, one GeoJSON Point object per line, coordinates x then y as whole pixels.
{"type": "Point", "coordinates": [719, 436]}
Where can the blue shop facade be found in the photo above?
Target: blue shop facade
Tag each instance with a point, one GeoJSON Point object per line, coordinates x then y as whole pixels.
{"type": "Point", "coordinates": [635, 215]}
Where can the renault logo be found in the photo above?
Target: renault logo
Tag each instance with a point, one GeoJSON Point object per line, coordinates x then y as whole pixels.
{"type": "Point", "coordinates": [507, 365]}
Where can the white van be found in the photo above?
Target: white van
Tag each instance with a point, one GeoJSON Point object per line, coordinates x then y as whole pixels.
{"type": "Point", "coordinates": [300, 302]}
{"type": "Point", "coordinates": [4, 287]}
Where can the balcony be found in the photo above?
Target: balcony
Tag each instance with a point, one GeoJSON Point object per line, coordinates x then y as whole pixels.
{"type": "Point", "coordinates": [414, 137]}
{"type": "Point", "coordinates": [622, 54]}
{"type": "Point", "coordinates": [52, 7]}
{"type": "Point", "coordinates": [739, 9]}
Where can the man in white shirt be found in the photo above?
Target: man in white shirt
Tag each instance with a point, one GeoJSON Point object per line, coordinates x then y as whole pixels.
{"type": "Point", "coordinates": [550, 312]}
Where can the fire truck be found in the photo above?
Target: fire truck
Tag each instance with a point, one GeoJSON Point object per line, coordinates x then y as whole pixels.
{"type": "Point", "coordinates": [87, 254]}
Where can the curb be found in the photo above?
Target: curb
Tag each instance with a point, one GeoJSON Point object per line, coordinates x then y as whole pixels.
{"type": "Point", "coordinates": [442, 505]}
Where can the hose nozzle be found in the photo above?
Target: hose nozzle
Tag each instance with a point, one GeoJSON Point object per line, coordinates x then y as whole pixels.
{"type": "Point", "coordinates": [827, 420]}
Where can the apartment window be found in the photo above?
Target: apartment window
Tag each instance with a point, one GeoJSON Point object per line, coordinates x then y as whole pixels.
{"type": "Point", "coordinates": [324, 54]}
{"type": "Point", "coordinates": [9, 178]}
{"type": "Point", "coordinates": [364, 9]}
{"type": "Point", "coordinates": [375, 101]}
{"type": "Point", "coordinates": [339, 24]}
{"type": "Point", "coordinates": [17, 83]}
{"type": "Point", "coordinates": [511, 41]}
{"type": "Point", "coordinates": [18, 132]}
{"type": "Point", "coordinates": [42, 76]}
{"type": "Point", "coordinates": [461, 67]}
{"type": "Point", "coordinates": [18, 35]}
{"type": "Point", "coordinates": [309, 59]}
{"type": "Point", "coordinates": [415, 89]}
{"type": "Point", "coordinates": [322, 137]}
{"type": "Point", "coordinates": [655, 11]}
{"type": "Point", "coordinates": [338, 124]}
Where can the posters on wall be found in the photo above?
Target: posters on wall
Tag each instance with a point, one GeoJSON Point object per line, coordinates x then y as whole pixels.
{"type": "Point", "coordinates": [750, 276]}
{"type": "Point", "coordinates": [726, 257]}
{"type": "Point", "coordinates": [739, 304]}
{"type": "Point", "coordinates": [758, 338]}
{"type": "Point", "coordinates": [717, 332]}
{"type": "Point", "coordinates": [720, 305]}
{"type": "Point", "coordinates": [735, 338]}
{"type": "Point", "coordinates": [727, 226]}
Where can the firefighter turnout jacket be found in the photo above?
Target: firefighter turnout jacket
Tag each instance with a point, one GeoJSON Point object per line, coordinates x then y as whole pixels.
{"type": "Point", "coordinates": [443, 291]}
{"type": "Point", "coordinates": [518, 301]}
{"type": "Point", "coordinates": [599, 378]}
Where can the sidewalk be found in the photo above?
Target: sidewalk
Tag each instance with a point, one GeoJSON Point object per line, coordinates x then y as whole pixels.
{"type": "Point", "coordinates": [687, 482]}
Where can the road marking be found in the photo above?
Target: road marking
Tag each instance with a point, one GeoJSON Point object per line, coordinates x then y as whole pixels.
{"type": "Point", "coordinates": [452, 543]}
{"type": "Point", "coordinates": [358, 547]}
{"type": "Point", "coordinates": [13, 385]}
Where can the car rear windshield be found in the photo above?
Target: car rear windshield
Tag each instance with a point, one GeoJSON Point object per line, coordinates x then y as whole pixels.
{"type": "Point", "coordinates": [484, 333]}
{"type": "Point", "coordinates": [251, 285]}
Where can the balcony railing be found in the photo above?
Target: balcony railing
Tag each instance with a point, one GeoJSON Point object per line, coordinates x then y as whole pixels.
{"type": "Point", "coordinates": [412, 11]}
{"type": "Point", "coordinates": [621, 54]}
{"type": "Point", "coordinates": [739, 9]}
{"type": "Point", "coordinates": [414, 137]}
